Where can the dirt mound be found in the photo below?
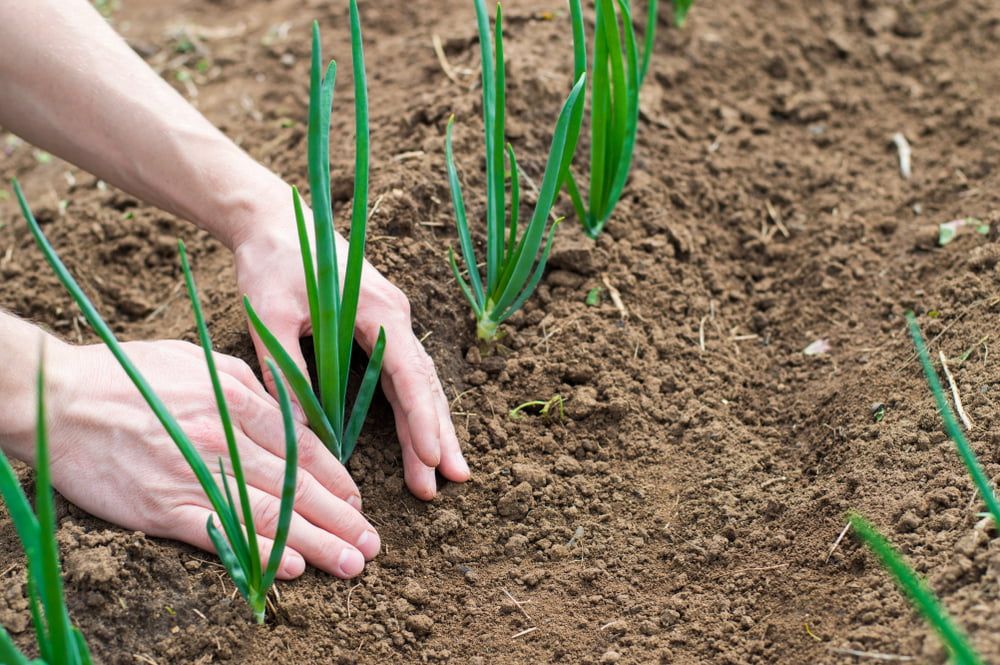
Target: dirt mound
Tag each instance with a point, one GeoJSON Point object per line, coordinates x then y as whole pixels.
{"type": "Point", "coordinates": [684, 509]}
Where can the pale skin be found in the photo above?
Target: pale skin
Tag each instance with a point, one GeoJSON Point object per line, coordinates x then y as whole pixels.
{"type": "Point", "coordinates": [70, 85]}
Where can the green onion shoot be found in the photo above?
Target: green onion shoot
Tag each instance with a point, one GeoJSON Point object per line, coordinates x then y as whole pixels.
{"type": "Point", "coordinates": [238, 549]}
{"type": "Point", "coordinates": [616, 76]}
{"type": "Point", "coordinates": [331, 311]}
{"type": "Point", "coordinates": [512, 272]}
{"type": "Point", "coordinates": [916, 591]}
{"type": "Point", "coordinates": [59, 642]}
{"type": "Point", "coordinates": [951, 426]}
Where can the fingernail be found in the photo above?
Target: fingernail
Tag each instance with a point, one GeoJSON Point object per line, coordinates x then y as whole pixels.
{"type": "Point", "coordinates": [463, 466]}
{"type": "Point", "coordinates": [351, 563]}
{"type": "Point", "coordinates": [295, 565]}
{"type": "Point", "coordinates": [354, 501]}
{"type": "Point", "coordinates": [299, 414]}
{"type": "Point", "coordinates": [369, 543]}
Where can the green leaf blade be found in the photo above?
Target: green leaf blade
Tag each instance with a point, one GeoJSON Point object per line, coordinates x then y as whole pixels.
{"type": "Point", "coordinates": [297, 380]}
{"type": "Point", "coordinates": [916, 591]}
{"type": "Point", "coordinates": [288, 482]}
{"type": "Point", "coordinates": [359, 219]}
{"type": "Point", "coordinates": [951, 427]}
{"type": "Point", "coordinates": [246, 549]}
{"type": "Point", "coordinates": [364, 397]}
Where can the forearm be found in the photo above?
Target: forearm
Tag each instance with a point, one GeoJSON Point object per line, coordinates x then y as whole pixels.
{"type": "Point", "coordinates": [72, 86]}
{"type": "Point", "coordinates": [20, 343]}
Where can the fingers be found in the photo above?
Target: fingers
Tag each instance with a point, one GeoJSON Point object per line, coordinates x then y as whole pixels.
{"type": "Point", "coordinates": [408, 380]}
{"type": "Point", "coordinates": [239, 370]}
{"type": "Point", "coordinates": [189, 526]}
{"type": "Point", "coordinates": [262, 423]}
{"type": "Point", "coordinates": [419, 477]}
{"type": "Point", "coordinates": [338, 547]}
{"type": "Point", "coordinates": [287, 331]}
{"type": "Point", "coordinates": [313, 501]}
{"type": "Point", "coordinates": [453, 465]}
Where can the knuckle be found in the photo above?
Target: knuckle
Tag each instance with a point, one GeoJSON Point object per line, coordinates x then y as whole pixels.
{"type": "Point", "coordinates": [208, 436]}
{"type": "Point", "coordinates": [308, 448]}
{"type": "Point", "coordinates": [305, 487]}
{"type": "Point", "coordinates": [393, 298]}
{"type": "Point", "coordinates": [235, 394]}
{"type": "Point", "coordinates": [329, 549]}
{"type": "Point", "coordinates": [265, 516]}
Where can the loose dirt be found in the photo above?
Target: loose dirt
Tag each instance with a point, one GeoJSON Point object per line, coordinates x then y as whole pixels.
{"type": "Point", "coordinates": [684, 509]}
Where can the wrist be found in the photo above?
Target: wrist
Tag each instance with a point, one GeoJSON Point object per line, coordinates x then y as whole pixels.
{"type": "Point", "coordinates": [245, 204]}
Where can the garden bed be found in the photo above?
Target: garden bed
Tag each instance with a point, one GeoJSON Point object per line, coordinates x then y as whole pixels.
{"type": "Point", "coordinates": [684, 509]}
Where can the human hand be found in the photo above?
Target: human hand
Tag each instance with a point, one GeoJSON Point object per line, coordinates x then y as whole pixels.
{"type": "Point", "coordinates": [269, 271]}
{"type": "Point", "coordinates": [112, 457]}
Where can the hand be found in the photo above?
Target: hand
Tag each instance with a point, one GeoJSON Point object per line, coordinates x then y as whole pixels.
{"type": "Point", "coordinates": [269, 271]}
{"type": "Point", "coordinates": [112, 457]}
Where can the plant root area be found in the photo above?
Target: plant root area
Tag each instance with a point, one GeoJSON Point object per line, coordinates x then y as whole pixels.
{"type": "Point", "coordinates": [685, 508]}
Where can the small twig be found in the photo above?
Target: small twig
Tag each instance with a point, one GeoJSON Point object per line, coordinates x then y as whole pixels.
{"type": "Point", "coordinates": [836, 543]}
{"type": "Point", "coordinates": [349, 592]}
{"type": "Point", "coordinates": [524, 632]}
{"type": "Point", "coordinates": [954, 393]}
{"type": "Point", "coordinates": [936, 338]}
{"type": "Point", "coordinates": [871, 654]}
{"type": "Point", "coordinates": [443, 60]}
{"type": "Point", "coordinates": [374, 209]}
{"type": "Point", "coordinates": [163, 306]}
{"type": "Point", "coordinates": [519, 605]}
{"type": "Point", "coordinates": [412, 154]}
{"type": "Point", "coordinates": [776, 218]}
{"type": "Point", "coordinates": [616, 297]}
{"type": "Point", "coordinates": [701, 334]}
{"type": "Point", "coordinates": [903, 147]}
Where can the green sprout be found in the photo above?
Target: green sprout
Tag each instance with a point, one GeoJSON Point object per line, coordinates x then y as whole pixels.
{"type": "Point", "coordinates": [545, 409]}
{"type": "Point", "coordinates": [617, 75]}
{"type": "Point", "coordinates": [332, 313]}
{"type": "Point", "coordinates": [951, 426]}
{"type": "Point", "coordinates": [59, 642]}
{"type": "Point", "coordinates": [681, 9]}
{"type": "Point", "coordinates": [916, 591]}
{"type": "Point", "coordinates": [509, 258]}
{"type": "Point", "coordinates": [240, 554]}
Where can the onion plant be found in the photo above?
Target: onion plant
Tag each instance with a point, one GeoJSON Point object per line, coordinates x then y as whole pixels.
{"type": "Point", "coordinates": [951, 426]}
{"type": "Point", "coordinates": [681, 9]}
{"type": "Point", "coordinates": [617, 74]}
{"type": "Point", "coordinates": [59, 642]}
{"type": "Point", "coordinates": [331, 311]}
{"type": "Point", "coordinates": [238, 548]}
{"type": "Point", "coordinates": [510, 257]}
{"type": "Point", "coordinates": [916, 591]}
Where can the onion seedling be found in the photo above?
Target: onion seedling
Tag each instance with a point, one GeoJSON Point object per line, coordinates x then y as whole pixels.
{"type": "Point", "coordinates": [951, 426]}
{"type": "Point", "coordinates": [545, 409]}
{"type": "Point", "coordinates": [59, 642]}
{"type": "Point", "coordinates": [331, 312]}
{"type": "Point", "coordinates": [509, 258]}
{"type": "Point", "coordinates": [238, 549]}
{"type": "Point", "coordinates": [617, 74]}
{"type": "Point", "coordinates": [681, 9]}
{"type": "Point", "coordinates": [916, 591]}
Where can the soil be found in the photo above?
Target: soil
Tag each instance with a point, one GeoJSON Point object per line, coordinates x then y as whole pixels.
{"type": "Point", "coordinates": [684, 509]}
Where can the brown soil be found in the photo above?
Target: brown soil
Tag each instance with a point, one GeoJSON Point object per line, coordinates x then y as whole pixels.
{"type": "Point", "coordinates": [684, 509]}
